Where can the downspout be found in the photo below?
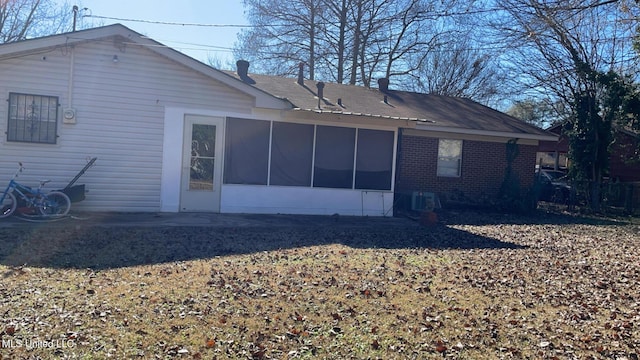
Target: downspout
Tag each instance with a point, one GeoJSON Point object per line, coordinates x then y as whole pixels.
{"type": "Point", "coordinates": [70, 83]}
{"type": "Point", "coordinates": [68, 113]}
{"type": "Point", "coordinates": [72, 61]}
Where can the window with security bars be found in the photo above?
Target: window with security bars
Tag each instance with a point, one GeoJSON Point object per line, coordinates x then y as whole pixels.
{"type": "Point", "coordinates": [32, 118]}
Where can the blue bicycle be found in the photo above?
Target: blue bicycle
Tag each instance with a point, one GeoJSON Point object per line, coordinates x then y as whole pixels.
{"type": "Point", "coordinates": [49, 204]}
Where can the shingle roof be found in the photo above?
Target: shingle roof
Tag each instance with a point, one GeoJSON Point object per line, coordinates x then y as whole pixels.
{"type": "Point", "coordinates": [437, 110]}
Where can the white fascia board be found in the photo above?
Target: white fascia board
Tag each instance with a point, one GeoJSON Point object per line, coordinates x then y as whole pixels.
{"type": "Point", "coordinates": [486, 133]}
{"type": "Point", "coordinates": [46, 43]}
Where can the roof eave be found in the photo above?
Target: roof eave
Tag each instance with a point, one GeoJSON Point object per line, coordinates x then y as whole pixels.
{"type": "Point", "coordinates": [502, 134]}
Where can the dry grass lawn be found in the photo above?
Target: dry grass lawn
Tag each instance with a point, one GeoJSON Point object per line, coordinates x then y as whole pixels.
{"type": "Point", "coordinates": [475, 287]}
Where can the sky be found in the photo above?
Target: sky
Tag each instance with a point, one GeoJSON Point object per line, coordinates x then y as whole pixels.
{"type": "Point", "coordinates": [199, 42]}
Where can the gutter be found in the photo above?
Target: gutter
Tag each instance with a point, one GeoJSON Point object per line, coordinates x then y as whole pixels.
{"type": "Point", "coordinates": [504, 134]}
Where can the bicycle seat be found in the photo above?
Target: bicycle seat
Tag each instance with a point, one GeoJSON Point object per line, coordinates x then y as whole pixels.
{"type": "Point", "coordinates": [42, 182]}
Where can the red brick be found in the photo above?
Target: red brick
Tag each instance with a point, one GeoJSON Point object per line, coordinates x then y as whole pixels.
{"type": "Point", "coordinates": [483, 167]}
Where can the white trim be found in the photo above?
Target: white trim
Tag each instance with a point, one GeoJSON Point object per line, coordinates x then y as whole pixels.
{"type": "Point", "coordinates": [171, 175]}
{"type": "Point", "coordinates": [394, 159]}
{"type": "Point", "coordinates": [260, 199]}
{"type": "Point", "coordinates": [510, 135]}
{"type": "Point", "coordinates": [270, 154]}
{"type": "Point", "coordinates": [313, 154]}
{"type": "Point", "coordinates": [355, 160]}
{"type": "Point", "coordinates": [197, 200]}
{"type": "Point", "coordinates": [172, 148]}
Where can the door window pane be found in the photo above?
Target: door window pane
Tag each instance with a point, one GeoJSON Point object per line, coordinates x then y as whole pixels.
{"type": "Point", "coordinates": [374, 159]}
{"type": "Point", "coordinates": [246, 152]}
{"type": "Point", "coordinates": [203, 140]}
{"type": "Point", "coordinates": [335, 147]}
{"type": "Point", "coordinates": [291, 154]}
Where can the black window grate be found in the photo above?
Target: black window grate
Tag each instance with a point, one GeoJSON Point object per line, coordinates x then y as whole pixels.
{"type": "Point", "coordinates": [32, 118]}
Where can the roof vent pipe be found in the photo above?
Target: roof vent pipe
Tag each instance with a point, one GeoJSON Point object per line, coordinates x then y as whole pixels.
{"type": "Point", "coordinates": [300, 73]}
{"type": "Point", "coordinates": [320, 86]}
{"type": "Point", "coordinates": [242, 68]}
{"type": "Point", "coordinates": [383, 84]}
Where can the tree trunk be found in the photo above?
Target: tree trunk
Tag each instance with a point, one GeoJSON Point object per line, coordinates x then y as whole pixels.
{"type": "Point", "coordinates": [595, 195]}
{"type": "Point", "coordinates": [312, 43]}
{"type": "Point", "coordinates": [341, 42]}
{"type": "Point", "coordinates": [356, 47]}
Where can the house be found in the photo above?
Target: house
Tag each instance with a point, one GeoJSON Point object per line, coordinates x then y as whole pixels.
{"type": "Point", "coordinates": [173, 134]}
{"type": "Point", "coordinates": [622, 167]}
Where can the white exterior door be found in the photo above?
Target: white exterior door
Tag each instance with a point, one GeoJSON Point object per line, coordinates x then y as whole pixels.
{"type": "Point", "coordinates": [201, 164]}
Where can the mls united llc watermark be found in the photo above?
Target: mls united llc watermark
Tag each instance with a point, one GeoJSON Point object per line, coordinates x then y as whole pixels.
{"type": "Point", "coordinates": [37, 344]}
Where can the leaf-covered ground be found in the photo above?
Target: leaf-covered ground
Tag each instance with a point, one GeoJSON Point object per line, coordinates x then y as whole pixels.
{"type": "Point", "coordinates": [473, 287]}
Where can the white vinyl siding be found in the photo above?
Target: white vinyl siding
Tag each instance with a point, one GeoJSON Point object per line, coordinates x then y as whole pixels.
{"type": "Point", "coordinates": [120, 113]}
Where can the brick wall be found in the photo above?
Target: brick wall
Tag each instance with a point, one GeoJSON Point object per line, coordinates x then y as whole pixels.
{"type": "Point", "coordinates": [621, 166]}
{"type": "Point", "coordinates": [483, 167]}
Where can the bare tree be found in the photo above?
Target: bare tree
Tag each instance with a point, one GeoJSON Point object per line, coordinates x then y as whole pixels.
{"type": "Point", "coordinates": [569, 49]}
{"type": "Point", "coordinates": [550, 43]}
{"type": "Point", "coordinates": [341, 40]}
{"type": "Point", "coordinates": [456, 68]}
{"type": "Point", "coordinates": [335, 35]}
{"type": "Point", "coordinates": [283, 33]}
{"type": "Point", "coordinates": [537, 112]}
{"type": "Point", "coordinates": [24, 19]}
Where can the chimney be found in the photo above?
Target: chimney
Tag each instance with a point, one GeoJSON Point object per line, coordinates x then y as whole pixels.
{"type": "Point", "coordinates": [320, 86]}
{"type": "Point", "coordinates": [300, 73]}
{"type": "Point", "coordinates": [242, 68]}
{"type": "Point", "coordinates": [383, 84]}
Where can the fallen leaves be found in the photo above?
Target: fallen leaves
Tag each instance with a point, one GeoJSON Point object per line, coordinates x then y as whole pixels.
{"type": "Point", "coordinates": [440, 347]}
{"type": "Point", "coordinates": [471, 289]}
{"type": "Point", "coordinates": [210, 343]}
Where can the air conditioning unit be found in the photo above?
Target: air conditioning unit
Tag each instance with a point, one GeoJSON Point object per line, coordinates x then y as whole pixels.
{"type": "Point", "coordinates": [421, 201]}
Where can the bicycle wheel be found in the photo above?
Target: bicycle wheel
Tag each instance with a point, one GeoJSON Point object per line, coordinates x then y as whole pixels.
{"type": "Point", "coordinates": [8, 206]}
{"type": "Point", "coordinates": [54, 203]}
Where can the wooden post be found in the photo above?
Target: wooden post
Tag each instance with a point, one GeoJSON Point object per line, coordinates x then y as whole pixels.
{"type": "Point", "coordinates": [628, 199]}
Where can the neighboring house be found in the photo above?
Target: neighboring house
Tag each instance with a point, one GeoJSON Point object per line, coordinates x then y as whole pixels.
{"type": "Point", "coordinates": [173, 134]}
{"type": "Point", "coordinates": [622, 167]}
{"type": "Point", "coordinates": [553, 154]}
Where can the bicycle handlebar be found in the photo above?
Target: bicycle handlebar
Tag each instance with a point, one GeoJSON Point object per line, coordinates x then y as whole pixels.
{"type": "Point", "coordinates": [20, 168]}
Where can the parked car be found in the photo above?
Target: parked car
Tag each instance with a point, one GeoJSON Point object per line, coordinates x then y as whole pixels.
{"type": "Point", "coordinates": [553, 185]}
